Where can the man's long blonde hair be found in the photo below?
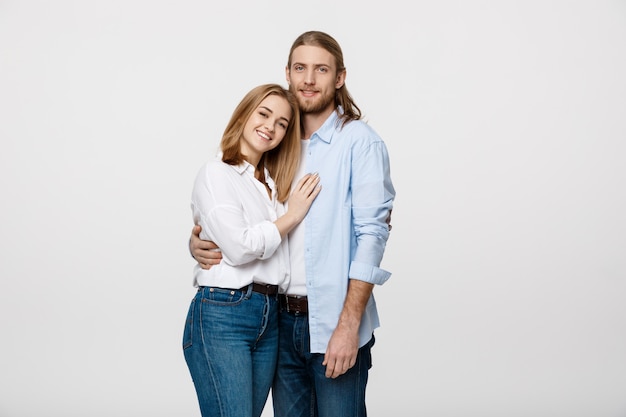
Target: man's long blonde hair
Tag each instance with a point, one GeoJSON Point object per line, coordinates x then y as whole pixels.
{"type": "Point", "coordinates": [342, 97]}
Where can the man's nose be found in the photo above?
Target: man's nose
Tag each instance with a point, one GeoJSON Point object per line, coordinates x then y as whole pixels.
{"type": "Point", "coordinates": [309, 77]}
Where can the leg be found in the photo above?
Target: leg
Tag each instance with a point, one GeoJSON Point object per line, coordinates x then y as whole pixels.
{"type": "Point", "coordinates": [222, 329]}
{"type": "Point", "coordinates": [343, 396]}
{"type": "Point", "coordinates": [292, 392]}
{"type": "Point", "coordinates": [264, 355]}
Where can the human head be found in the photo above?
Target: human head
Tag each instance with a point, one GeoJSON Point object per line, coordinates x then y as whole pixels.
{"type": "Point", "coordinates": [323, 40]}
{"type": "Point", "coordinates": [281, 161]}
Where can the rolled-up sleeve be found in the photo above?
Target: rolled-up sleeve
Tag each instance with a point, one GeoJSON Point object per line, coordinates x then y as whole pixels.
{"type": "Point", "coordinates": [372, 201]}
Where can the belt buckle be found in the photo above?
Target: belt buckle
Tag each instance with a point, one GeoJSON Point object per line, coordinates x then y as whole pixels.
{"type": "Point", "coordinates": [287, 303]}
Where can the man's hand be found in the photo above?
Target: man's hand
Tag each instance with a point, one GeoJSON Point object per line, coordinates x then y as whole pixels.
{"type": "Point", "coordinates": [203, 251]}
{"type": "Point", "coordinates": [343, 345]}
{"type": "Point", "coordinates": [341, 352]}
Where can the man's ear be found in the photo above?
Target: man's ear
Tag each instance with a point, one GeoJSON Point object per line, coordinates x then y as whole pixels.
{"type": "Point", "coordinates": [287, 77]}
{"type": "Point", "coordinates": [341, 79]}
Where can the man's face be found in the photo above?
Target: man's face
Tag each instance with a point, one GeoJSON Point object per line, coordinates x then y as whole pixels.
{"type": "Point", "coordinates": [313, 78]}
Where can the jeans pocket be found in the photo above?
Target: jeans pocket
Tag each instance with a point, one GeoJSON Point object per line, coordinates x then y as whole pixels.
{"type": "Point", "coordinates": [223, 296]}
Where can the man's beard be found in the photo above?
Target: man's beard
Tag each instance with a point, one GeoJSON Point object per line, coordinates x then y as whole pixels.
{"type": "Point", "coordinates": [316, 106]}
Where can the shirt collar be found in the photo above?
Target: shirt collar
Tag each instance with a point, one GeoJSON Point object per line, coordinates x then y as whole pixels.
{"type": "Point", "coordinates": [246, 167]}
{"type": "Point", "coordinates": [326, 131]}
{"type": "Point", "coordinates": [242, 167]}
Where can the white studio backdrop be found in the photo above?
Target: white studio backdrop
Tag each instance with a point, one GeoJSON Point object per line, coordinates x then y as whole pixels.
{"type": "Point", "coordinates": [506, 125]}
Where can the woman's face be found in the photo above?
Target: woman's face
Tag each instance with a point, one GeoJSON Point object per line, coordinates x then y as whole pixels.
{"type": "Point", "coordinates": [266, 127]}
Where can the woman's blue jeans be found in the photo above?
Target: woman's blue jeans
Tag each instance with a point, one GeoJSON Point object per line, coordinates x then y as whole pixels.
{"type": "Point", "coordinates": [301, 388]}
{"type": "Point", "coordinates": [230, 343]}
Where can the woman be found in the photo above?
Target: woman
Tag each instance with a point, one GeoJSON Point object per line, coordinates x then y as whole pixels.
{"type": "Point", "coordinates": [230, 339]}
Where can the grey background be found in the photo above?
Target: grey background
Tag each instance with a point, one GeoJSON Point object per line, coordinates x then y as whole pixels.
{"type": "Point", "coordinates": [506, 125]}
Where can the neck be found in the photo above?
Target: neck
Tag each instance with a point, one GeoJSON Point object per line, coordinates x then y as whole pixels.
{"type": "Point", "coordinates": [252, 159]}
{"type": "Point", "coordinates": [313, 121]}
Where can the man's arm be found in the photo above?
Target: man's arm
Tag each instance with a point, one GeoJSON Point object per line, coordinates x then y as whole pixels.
{"type": "Point", "coordinates": [203, 251]}
{"type": "Point", "coordinates": [372, 223]}
{"type": "Point", "coordinates": [343, 346]}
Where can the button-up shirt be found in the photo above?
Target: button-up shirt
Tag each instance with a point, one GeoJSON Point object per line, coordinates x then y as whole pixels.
{"type": "Point", "coordinates": [345, 230]}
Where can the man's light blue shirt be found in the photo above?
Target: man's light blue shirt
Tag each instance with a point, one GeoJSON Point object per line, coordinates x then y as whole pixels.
{"type": "Point", "coordinates": [345, 229]}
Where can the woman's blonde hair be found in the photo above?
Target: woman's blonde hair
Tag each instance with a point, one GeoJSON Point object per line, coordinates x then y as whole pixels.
{"type": "Point", "coordinates": [282, 162]}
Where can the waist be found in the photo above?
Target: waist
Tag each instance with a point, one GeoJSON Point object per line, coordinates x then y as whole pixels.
{"type": "Point", "coordinates": [297, 304]}
{"type": "Point", "coordinates": [266, 289]}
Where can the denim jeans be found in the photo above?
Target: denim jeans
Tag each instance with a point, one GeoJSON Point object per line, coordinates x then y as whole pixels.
{"type": "Point", "coordinates": [301, 388]}
{"type": "Point", "coordinates": [230, 343]}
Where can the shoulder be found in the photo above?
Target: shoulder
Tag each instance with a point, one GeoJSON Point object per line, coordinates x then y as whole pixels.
{"type": "Point", "coordinates": [215, 166]}
{"type": "Point", "coordinates": [359, 132]}
{"type": "Point", "coordinates": [215, 171]}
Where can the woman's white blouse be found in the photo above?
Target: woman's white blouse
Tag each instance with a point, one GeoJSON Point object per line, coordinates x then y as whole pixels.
{"type": "Point", "coordinates": [236, 212]}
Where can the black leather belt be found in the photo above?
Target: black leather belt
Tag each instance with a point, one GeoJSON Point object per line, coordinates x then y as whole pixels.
{"type": "Point", "coordinates": [267, 289]}
{"type": "Point", "coordinates": [294, 303]}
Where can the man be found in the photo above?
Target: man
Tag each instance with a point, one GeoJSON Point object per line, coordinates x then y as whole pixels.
{"type": "Point", "coordinates": [328, 313]}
